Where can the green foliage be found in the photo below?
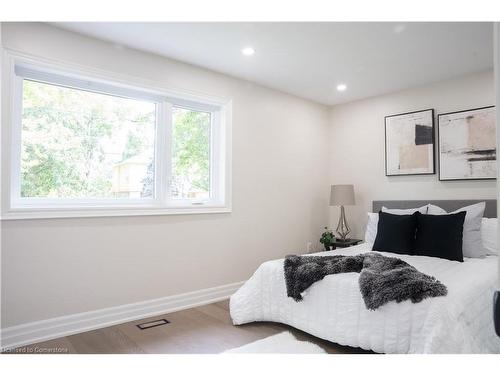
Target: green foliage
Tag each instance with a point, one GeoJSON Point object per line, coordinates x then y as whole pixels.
{"type": "Point", "coordinates": [47, 174]}
{"type": "Point", "coordinates": [133, 147]}
{"type": "Point", "coordinates": [191, 151]}
{"type": "Point", "coordinates": [327, 237]}
{"type": "Point", "coordinates": [148, 182]}
{"type": "Point", "coordinates": [72, 140]}
{"type": "Point", "coordinates": [69, 136]}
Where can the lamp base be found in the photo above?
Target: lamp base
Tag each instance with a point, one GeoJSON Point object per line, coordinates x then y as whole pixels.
{"type": "Point", "coordinates": [343, 228]}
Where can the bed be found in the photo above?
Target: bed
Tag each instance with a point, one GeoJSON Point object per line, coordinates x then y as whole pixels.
{"type": "Point", "coordinates": [333, 309]}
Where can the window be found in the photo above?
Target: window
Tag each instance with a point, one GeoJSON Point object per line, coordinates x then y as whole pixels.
{"type": "Point", "coordinates": [80, 144]}
{"type": "Point", "coordinates": [88, 147]}
{"type": "Point", "coordinates": [190, 154]}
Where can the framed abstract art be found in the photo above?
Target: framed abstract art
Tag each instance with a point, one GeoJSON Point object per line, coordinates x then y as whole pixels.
{"type": "Point", "coordinates": [409, 143]}
{"type": "Point", "coordinates": [467, 145]}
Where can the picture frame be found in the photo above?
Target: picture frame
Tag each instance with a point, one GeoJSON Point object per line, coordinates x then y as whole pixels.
{"type": "Point", "coordinates": [410, 143]}
{"type": "Point", "coordinates": [467, 144]}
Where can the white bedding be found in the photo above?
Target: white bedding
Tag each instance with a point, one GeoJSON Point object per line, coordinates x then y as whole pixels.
{"type": "Point", "coordinates": [333, 308]}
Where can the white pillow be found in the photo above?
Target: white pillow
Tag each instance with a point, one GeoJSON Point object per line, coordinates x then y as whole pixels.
{"type": "Point", "coordinates": [472, 245]}
{"type": "Point", "coordinates": [435, 210]}
{"type": "Point", "coordinates": [406, 211]}
{"type": "Point", "coordinates": [489, 235]}
{"type": "Point", "coordinates": [371, 227]}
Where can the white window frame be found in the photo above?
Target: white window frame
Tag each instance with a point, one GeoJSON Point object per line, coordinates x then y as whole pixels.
{"type": "Point", "coordinates": [19, 67]}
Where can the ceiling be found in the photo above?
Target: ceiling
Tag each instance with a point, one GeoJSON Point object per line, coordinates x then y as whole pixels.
{"type": "Point", "coordinates": [310, 59]}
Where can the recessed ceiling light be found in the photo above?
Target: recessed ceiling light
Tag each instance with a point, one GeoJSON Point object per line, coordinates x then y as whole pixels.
{"type": "Point", "coordinates": [341, 87]}
{"type": "Point", "coordinates": [248, 51]}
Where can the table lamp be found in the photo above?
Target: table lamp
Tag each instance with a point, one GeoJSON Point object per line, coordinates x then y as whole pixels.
{"type": "Point", "coordinates": [342, 195]}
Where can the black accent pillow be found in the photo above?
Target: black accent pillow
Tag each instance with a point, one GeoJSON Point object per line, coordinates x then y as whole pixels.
{"type": "Point", "coordinates": [395, 233]}
{"type": "Point", "coordinates": [440, 236]}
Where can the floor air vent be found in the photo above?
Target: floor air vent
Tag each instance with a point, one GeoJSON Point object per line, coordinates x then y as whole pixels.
{"type": "Point", "coordinates": [152, 324]}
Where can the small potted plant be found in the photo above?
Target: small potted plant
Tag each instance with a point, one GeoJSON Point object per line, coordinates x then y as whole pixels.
{"type": "Point", "coordinates": [327, 238]}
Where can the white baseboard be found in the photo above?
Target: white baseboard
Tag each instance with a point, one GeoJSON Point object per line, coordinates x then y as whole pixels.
{"type": "Point", "coordinates": [42, 330]}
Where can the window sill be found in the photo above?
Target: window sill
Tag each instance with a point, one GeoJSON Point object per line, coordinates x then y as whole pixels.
{"type": "Point", "coordinates": [60, 213]}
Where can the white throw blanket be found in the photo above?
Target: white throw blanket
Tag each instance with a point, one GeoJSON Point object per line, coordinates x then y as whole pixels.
{"type": "Point", "coordinates": [333, 308]}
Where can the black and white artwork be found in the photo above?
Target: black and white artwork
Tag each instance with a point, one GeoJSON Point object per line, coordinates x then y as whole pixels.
{"type": "Point", "coordinates": [409, 143]}
{"type": "Point", "coordinates": [467, 145]}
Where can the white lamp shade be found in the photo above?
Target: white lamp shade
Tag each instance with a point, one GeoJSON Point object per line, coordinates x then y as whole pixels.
{"type": "Point", "coordinates": [342, 195]}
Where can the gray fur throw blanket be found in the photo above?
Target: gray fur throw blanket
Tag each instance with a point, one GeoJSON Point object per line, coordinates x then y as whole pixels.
{"type": "Point", "coordinates": [382, 279]}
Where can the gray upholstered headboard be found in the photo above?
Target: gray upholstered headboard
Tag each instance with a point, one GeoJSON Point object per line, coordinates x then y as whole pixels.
{"type": "Point", "coordinates": [448, 205]}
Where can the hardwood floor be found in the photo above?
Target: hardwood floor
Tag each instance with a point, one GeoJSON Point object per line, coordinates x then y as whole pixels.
{"type": "Point", "coordinates": [204, 329]}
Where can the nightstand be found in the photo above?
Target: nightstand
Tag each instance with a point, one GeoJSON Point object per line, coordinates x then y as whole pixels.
{"type": "Point", "coordinates": [348, 242]}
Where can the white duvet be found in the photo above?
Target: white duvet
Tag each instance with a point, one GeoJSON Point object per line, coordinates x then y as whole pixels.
{"type": "Point", "coordinates": [333, 308]}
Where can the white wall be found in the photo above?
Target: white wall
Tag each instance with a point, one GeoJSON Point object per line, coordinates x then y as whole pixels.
{"type": "Point", "coordinates": [357, 146]}
{"type": "Point", "coordinates": [496, 42]}
{"type": "Point", "coordinates": [63, 266]}
{"type": "Point", "coordinates": [1, 70]}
